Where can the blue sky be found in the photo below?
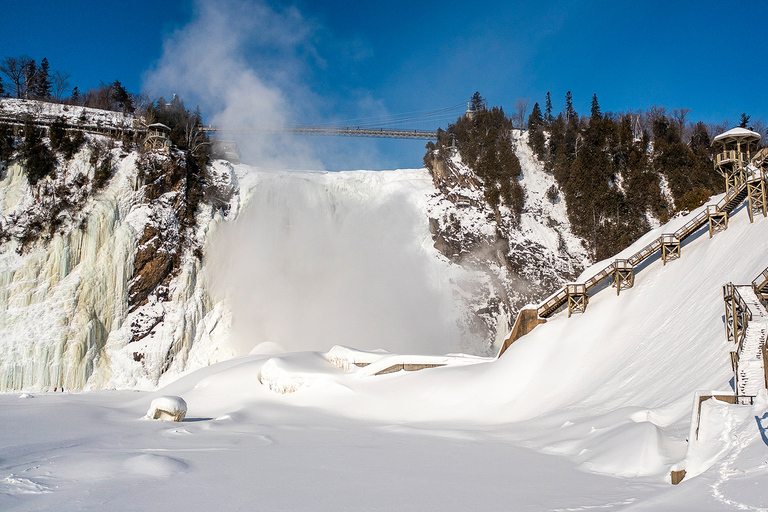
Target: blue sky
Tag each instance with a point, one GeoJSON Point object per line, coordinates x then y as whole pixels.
{"type": "Point", "coordinates": [340, 60]}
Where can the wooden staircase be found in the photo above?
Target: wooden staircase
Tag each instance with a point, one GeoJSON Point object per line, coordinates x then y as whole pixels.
{"type": "Point", "coordinates": [748, 184]}
{"type": "Point", "coordinates": [748, 330]}
{"type": "Point", "coordinates": [760, 285]}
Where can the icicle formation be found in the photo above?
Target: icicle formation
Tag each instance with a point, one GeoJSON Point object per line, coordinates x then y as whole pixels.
{"type": "Point", "coordinates": [64, 319]}
{"type": "Point", "coordinates": [58, 307]}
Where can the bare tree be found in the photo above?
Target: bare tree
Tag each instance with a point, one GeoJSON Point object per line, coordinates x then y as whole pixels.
{"type": "Point", "coordinates": [194, 137]}
{"type": "Point", "coordinates": [760, 127]}
{"type": "Point", "coordinates": [679, 115]}
{"type": "Point", "coordinates": [521, 108]}
{"type": "Point", "coordinates": [16, 71]}
{"type": "Point", "coordinates": [60, 84]}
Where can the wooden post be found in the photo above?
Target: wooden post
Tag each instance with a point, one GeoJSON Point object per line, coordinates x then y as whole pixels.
{"type": "Point", "coordinates": [756, 195]}
{"type": "Point", "coordinates": [623, 275]}
{"type": "Point", "coordinates": [718, 221]}
{"type": "Point", "coordinates": [577, 298]}
{"type": "Point", "coordinates": [670, 248]}
{"type": "Point", "coordinates": [677, 476]}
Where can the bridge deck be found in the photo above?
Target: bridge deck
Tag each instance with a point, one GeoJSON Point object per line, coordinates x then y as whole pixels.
{"type": "Point", "coordinates": [388, 133]}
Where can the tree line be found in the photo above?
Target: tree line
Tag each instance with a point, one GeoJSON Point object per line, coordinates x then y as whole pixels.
{"type": "Point", "coordinates": [484, 142]}
{"type": "Point", "coordinates": [618, 172]}
{"type": "Point", "coordinates": [28, 80]}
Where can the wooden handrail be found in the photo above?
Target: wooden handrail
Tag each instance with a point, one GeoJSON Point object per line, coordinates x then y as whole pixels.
{"type": "Point", "coordinates": [746, 175]}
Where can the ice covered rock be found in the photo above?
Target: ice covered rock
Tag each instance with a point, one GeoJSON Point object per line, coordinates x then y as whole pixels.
{"type": "Point", "coordinates": [167, 408]}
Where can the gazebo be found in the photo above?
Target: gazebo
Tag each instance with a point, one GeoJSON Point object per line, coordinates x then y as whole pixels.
{"type": "Point", "coordinates": [736, 148]}
{"type": "Point", "coordinates": [737, 159]}
{"type": "Point", "coordinates": [158, 137]}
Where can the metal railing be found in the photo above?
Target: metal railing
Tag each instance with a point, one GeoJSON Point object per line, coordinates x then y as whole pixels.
{"type": "Point", "coordinates": [387, 133]}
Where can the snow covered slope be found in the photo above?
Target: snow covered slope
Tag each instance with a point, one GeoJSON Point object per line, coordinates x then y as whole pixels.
{"type": "Point", "coordinates": [607, 392]}
{"type": "Point", "coordinates": [630, 364]}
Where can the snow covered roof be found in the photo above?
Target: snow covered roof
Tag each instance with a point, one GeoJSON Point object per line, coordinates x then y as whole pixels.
{"type": "Point", "coordinates": [159, 125]}
{"type": "Point", "coordinates": [737, 133]}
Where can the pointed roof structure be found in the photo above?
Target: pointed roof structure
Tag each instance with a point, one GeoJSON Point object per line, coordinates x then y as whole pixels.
{"type": "Point", "coordinates": [738, 133]}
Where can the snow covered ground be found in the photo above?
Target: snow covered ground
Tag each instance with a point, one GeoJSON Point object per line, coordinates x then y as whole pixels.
{"type": "Point", "coordinates": [586, 413]}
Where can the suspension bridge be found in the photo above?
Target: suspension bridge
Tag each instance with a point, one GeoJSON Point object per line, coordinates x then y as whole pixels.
{"type": "Point", "coordinates": [422, 124]}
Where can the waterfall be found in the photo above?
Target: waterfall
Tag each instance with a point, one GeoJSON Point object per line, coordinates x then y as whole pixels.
{"type": "Point", "coordinates": [309, 261]}
{"type": "Point", "coordinates": [322, 259]}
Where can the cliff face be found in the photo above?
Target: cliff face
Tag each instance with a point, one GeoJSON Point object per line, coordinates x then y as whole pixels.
{"type": "Point", "coordinates": [103, 276]}
{"type": "Point", "coordinates": [515, 262]}
{"type": "Point", "coordinates": [100, 264]}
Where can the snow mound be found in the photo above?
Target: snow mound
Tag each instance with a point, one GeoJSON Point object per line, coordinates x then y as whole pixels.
{"type": "Point", "coordinates": [167, 408]}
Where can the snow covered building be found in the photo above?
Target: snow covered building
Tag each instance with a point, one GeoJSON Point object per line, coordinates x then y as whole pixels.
{"type": "Point", "coordinates": [736, 148]}
{"type": "Point", "coordinates": [158, 137]}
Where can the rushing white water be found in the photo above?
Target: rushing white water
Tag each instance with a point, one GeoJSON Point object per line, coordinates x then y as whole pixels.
{"type": "Point", "coordinates": [311, 261]}
{"type": "Point", "coordinates": [322, 259]}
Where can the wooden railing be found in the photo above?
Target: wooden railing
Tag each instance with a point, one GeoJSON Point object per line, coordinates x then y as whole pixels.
{"type": "Point", "coordinates": [760, 282]}
{"type": "Point", "coordinates": [737, 315]}
{"type": "Point", "coordinates": [744, 176]}
{"type": "Point", "coordinates": [730, 156]}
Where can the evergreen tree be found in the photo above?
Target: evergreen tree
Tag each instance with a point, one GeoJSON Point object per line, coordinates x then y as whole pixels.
{"type": "Point", "coordinates": [595, 112]}
{"type": "Point", "coordinates": [43, 81]}
{"type": "Point", "coordinates": [536, 137]}
{"type": "Point", "coordinates": [571, 117]}
{"type": "Point", "coordinates": [38, 159]}
{"type": "Point", "coordinates": [75, 97]}
{"type": "Point", "coordinates": [548, 118]}
{"type": "Point", "coordinates": [2, 89]}
{"type": "Point", "coordinates": [477, 103]}
{"type": "Point", "coordinates": [122, 98]}
{"type": "Point", "coordinates": [7, 143]}
{"type": "Point", "coordinates": [535, 120]}
{"type": "Point", "coordinates": [744, 120]}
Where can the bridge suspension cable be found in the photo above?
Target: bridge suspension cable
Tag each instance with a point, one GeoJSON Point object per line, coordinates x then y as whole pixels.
{"type": "Point", "coordinates": [382, 126]}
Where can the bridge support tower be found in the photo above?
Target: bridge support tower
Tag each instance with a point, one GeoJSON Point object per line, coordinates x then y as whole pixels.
{"type": "Point", "coordinates": [578, 298]}
{"type": "Point", "coordinates": [623, 275]}
{"type": "Point", "coordinates": [670, 248]}
{"type": "Point", "coordinates": [756, 195]}
{"type": "Point", "coordinates": [718, 221]}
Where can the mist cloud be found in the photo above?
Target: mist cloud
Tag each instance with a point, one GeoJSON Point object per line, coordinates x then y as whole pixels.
{"type": "Point", "coordinates": [317, 260]}
{"type": "Point", "coordinates": [243, 63]}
